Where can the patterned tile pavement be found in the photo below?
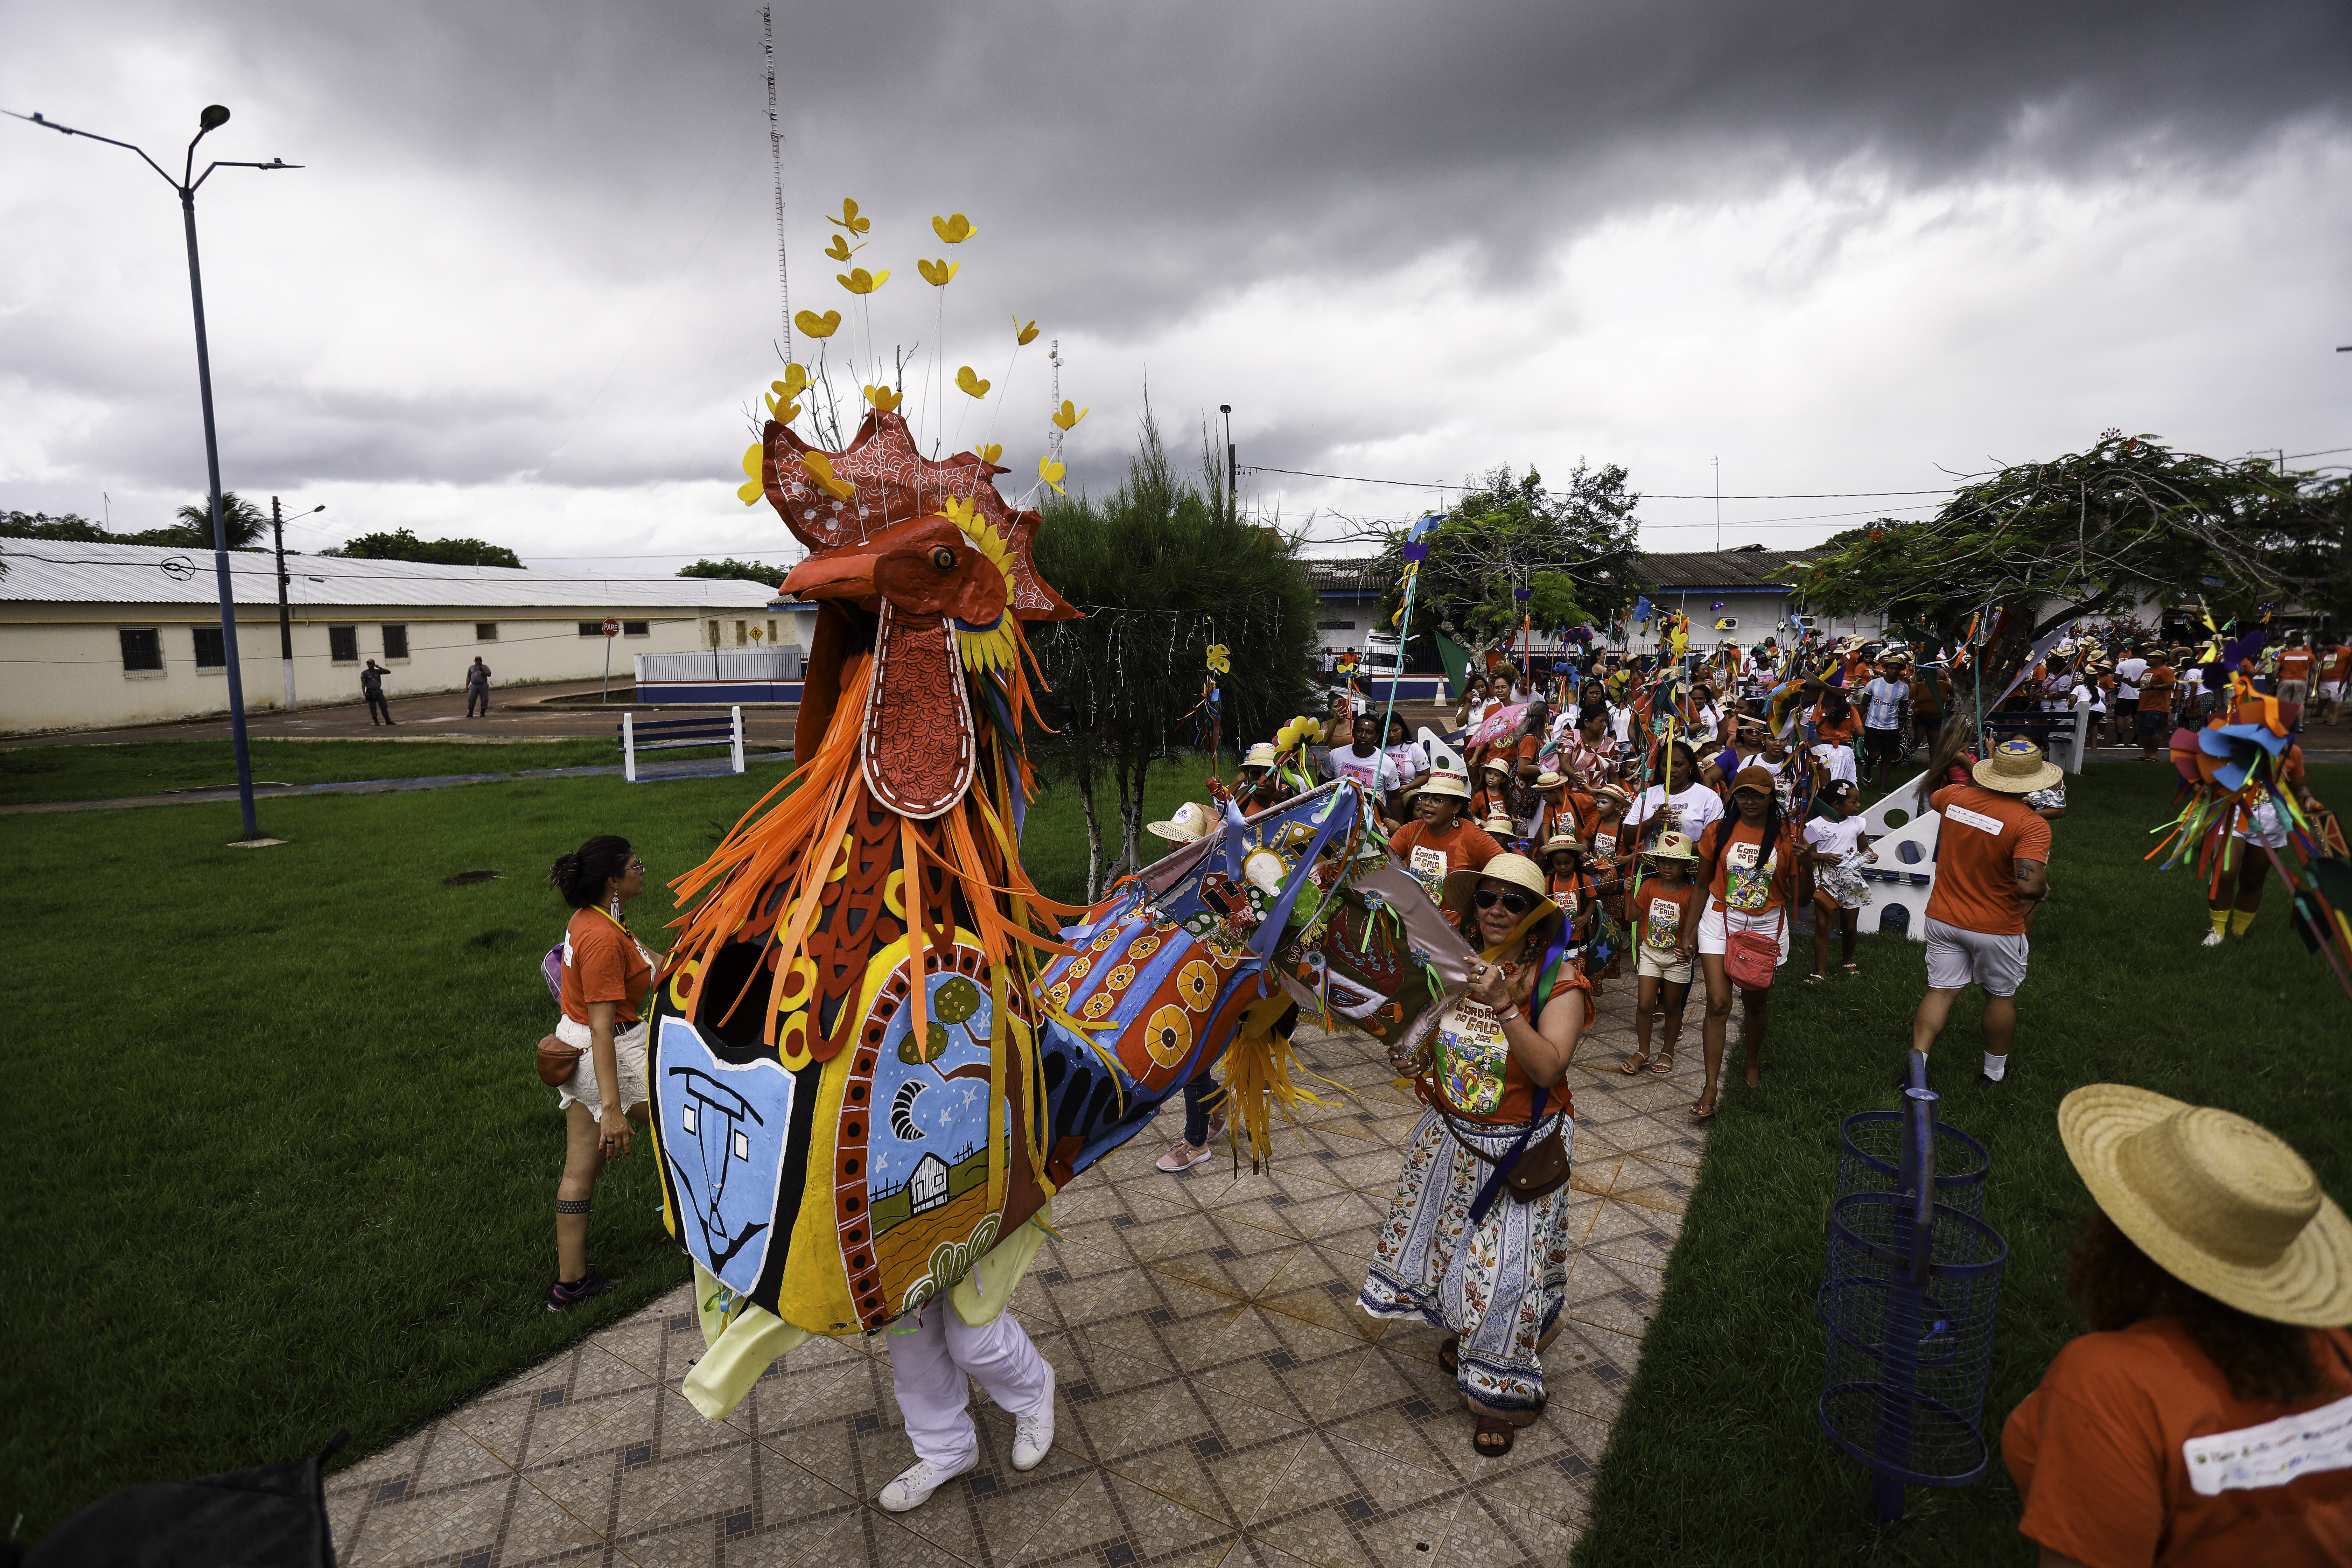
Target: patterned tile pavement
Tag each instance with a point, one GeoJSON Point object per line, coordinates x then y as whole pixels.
{"type": "Point", "coordinates": [1220, 1400]}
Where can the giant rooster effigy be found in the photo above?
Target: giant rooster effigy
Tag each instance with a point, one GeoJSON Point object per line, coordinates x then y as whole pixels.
{"type": "Point", "coordinates": [875, 1054]}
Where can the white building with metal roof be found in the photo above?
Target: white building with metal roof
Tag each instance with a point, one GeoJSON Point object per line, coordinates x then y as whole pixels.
{"type": "Point", "coordinates": [96, 635]}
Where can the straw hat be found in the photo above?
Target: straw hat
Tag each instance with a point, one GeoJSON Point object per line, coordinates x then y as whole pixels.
{"type": "Point", "coordinates": [1517, 869]}
{"type": "Point", "coordinates": [1562, 841]}
{"type": "Point", "coordinates": [1548, 780]}
{"type": "Point", "coordinates": [1670, 846]}
{"type": "Point", "coordinates": [2016, 767]}
{"type": "Point", "coordinates": [1499, 824]}
{"type": "Point", "coordinates": [1616, 792]}
{"type": "Point", "coordinates": [2219, 1204]}
{"type": "Point", "coordinates": [1261, 755]}
{"type": "Point", "coordinates": [1496, 764]}
{"type": "Point", "coordinates": [1442, 782]}
{"type": "Point", "coordinates": [1192, 820]}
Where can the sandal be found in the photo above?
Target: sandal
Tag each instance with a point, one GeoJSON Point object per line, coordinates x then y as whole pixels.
{"type": "Point", "coordinates": [1815, 978]}
{"type": "Point", "coordinates": [1664, 1063]}
{"type": "Point", "coordinates": [1851, 968]}
{"type": "Point", "coordinates": [1634, 1063]}
{"type": "Point", "coordinates": [1489, 1428]}
{"type": "Point", "coordinates": [1448, 1356]}
{"type": "Point", "coordinates": [1708, 1114]}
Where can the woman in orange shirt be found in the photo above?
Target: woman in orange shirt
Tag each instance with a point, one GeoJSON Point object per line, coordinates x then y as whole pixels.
{"type": "Point", "coordinates": [1756, 872]}
{"type": "Point", "coordinates": [606, 974]}
{"type": "Point", "coordinates": [2202, 1423]}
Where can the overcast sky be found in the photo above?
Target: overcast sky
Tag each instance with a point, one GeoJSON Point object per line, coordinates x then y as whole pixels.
{"type": "Point", "coordinates": [525, 287]}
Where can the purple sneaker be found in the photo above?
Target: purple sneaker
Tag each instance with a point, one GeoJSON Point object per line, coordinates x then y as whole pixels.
{"type": "Point", "coordinates": [588, 1285]}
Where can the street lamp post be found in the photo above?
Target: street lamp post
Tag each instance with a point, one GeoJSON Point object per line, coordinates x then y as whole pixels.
{"type": "Point", "coordinates": [1233, 463]}
{"type": "Point", "coordinates": [285, 616]}
{"type": "Point", "coordinates": [213, 117]}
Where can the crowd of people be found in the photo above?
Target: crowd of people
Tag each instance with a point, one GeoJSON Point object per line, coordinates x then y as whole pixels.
{"type": "Point", "coordinates": [1685, 812]}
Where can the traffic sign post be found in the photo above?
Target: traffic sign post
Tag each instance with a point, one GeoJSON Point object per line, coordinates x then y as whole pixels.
{"type": "Point", "coordinates": [612, 630]}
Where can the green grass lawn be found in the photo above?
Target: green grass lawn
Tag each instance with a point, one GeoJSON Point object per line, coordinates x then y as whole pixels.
{"type": "Point", "coordinates": [30, 774]}
{"type": "Point", "coordinates": [281, 1161]}
{"type": "Point", "coordinates": [1718, 1457]}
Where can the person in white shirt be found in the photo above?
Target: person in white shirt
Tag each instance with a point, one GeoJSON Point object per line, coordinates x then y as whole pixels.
{"type": "Point", "coordinates": [1681, 804]}
{"type": "Point", "coordinates": [1886, 715]}
{"type": "Point", "coordinates": [1411, 757]}
{"type": "Point", "coordinates": [1368, 766]}
{"type": "Point", "coordinates": [1840, 848]}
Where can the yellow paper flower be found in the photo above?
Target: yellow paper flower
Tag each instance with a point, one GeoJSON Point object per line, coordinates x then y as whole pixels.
{"type": "Point", "coordinates": [820, 467]}
{"type": "Point", "coordinates": [857, 281]}
{"type": "Point", "coordinates": [990, 453]}
{"type": "Point", "coordinates": [795, 382]}
{"type": "Point", "coordinates": [817, 326]}
{"type": "Point", "coordinates": [849, 218]}
{"type": "Point", "coordinates": [749, 492]}
{"type": "Point", "coordinates": [937, 273]}
{"type": "Point", "coordinates": [1220, 662]}
{"type": "Point", "coordinates": [780, 412]}
{"type": "Point", "coordinates": [952, 230]}
{"type": "Point", "coordinates": [883, 398]}
{"type": "Point", "coordinates": [1023, 335]}
{"type": "Point", "coordinates": [1070, 414]}
{"type": "Point", "coordinates": [969, 384]}
{"type": "Point", "coordinates": [1051, 472]}
{"type": "Point", "coordinates": [839, 249]}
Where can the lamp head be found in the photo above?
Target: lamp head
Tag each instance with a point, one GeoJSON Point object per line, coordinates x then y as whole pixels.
{"type": "Point", "coordinates": [1224, 409]}
{"type": "Point", "coordinates": [214, 117]}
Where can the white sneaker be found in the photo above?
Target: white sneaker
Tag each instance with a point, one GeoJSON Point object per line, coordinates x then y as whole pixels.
{"type": "Point", "coordinates": [1032, 1436]}
{"type": "Point", "coordinates": [915, 1483]}
{"type": "Point", "coordinates": [1183, 1156]}
{"type": "Point", "coordinates": [2213, 939]}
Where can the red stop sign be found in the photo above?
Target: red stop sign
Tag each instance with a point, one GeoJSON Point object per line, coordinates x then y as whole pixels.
{"type": "Point", "coordinates": [612, 627]}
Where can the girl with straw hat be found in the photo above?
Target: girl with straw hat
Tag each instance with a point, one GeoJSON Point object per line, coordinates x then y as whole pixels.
{"type": "Point", "coordinates": [2206, 1422]}
{"type": "Point", "coordinates": [1663, 902]}
{"type": "Point", "coordinates": [1475, 1242]}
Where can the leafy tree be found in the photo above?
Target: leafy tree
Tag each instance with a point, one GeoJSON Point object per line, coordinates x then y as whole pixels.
{"type": "Point", "coordinates": [1164, 568]}
{"type": "Point", "coordinates": [2037, 546]}
{"type": "Point", "coordinates": [402, 545]}
{"type": "Point", "coordinates": [734, 571]}
{"type": "Point", "coordinates": [1572, 552]}
{"type": "Point", "coordinates": [41, 525]}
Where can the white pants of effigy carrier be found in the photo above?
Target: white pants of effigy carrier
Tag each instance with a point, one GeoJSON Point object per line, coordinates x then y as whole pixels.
{"type": "Point", "coordinates": [928, 1364]}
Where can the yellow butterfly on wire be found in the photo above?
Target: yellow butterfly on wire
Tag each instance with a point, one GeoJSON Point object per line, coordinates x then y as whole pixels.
{"type": "Point", "coordinates": [883, 398]}
{"type": "Point", "coordinates": [1022, 335]}
{"type": "Point", "coordinates": [969, 384]}
{"type": "Point", "coordinates": [849, 218]}
{"type": "Point", "coordinates": [1069, 414]}
{"type": "Point", "coordinates": [754, 459]}
{"type": "Point", "coordinates": [952, 230]}
{"type": "Point", "coordinates": [857, 281]}
{"type": "Point", "coordinates": [990, 453]}
{"type": "Point", "coordinates": [1051, 472]}
{"type": "Point", "coordinates": [937, 273]}
{"type": "Point", "coordinates": [1220, 661]}
{"type": "Point", "coordinates": [840, 248]}
{"type": "Point", "coordinates": [817, 326]}
{"type": "Point", "coordinates": [820, 468]}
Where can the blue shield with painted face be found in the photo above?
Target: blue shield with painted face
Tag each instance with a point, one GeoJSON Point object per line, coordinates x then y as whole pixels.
{"type": "Point", "coordinates": [722, 1136]}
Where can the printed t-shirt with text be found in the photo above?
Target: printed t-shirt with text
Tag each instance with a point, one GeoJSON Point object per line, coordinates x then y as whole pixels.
{"type": "Point", "coordinates": [602, 963]}
{"type": "Point", "coordinates": [1372, 770]}
{"type": "Point", "coordinates": [1982, 833]}
{"type": "Point", "coordinates": [1747, 877]}
{"type": "Point", "coordinates": [2295, 664]}
{"type": "Point", "coordinates": [1660, 913]}
{"type": "Point", "coordinates": [2155, 689]}
{"type": "Point", "coordinates": [1428, 857]}
{"type": "Point", "coordinates": [1834, 840]}
{"type": "Point", "coordinates": [2134, 1451]}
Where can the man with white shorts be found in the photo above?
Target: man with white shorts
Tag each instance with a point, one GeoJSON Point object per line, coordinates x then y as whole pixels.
{"type": "Point", "coordinates": [1992, 871]}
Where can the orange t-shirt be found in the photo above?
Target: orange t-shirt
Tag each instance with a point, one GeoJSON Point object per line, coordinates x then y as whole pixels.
{"type": "Point", "coordinates": [1982, 832]}
{"type": "Point", "coordinates": [1518, 1101]}
{"type": "Point", "coordinates": [2295, 664]}
{"type": "Point", "coordinates": [604, 962]}
{"type": "Point", "coordinates": [1428, 857]}
{"type": "Point", "coordinates": [1662, 914]}
{"type": "Point", "coordinates": [1741, 854]}
{"type": "Point", "coordinates": [2133, 1451]}
{"type": "Point", "coordinates": [2339, 663]}
{"type": "Point", "coordinates": [2155, 688]}
{"type": "Point", "coordinates": [1833, 733]}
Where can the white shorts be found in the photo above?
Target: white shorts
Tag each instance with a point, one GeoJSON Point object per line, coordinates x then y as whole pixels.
{"type": "Point", "coordinates": [628, 1055]}
{"type": "Point", "coordinates": [1958, 957]}
{"type": "Point", "coordinates": [1656, 967]}
{"type": "Point", "coordinates": [2265, 824]}
{"type": "Point", "coordinates": [1714, 933]}
{"type": "Point", "coordinates": [2331, 691]}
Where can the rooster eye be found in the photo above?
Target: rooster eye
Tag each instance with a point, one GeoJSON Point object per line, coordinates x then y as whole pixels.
{"type": "Point", "coordinates": [943, 558]}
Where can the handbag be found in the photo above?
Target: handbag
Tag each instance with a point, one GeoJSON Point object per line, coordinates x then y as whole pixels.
{"type": "Point", "coordinates": [557, 1061]}
{"type": "Point", "coordinates": [1750, 958]}
{"type": "Point", "coordinates": [1539, 1169]}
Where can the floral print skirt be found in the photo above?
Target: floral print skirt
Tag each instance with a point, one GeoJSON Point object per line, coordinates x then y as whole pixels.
{"type": "Point", "coordinates": [1498, 1285]}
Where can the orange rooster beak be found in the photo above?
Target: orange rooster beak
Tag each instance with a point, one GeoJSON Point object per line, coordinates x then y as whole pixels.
{"type": "Point", "coordinates": [847, 574]}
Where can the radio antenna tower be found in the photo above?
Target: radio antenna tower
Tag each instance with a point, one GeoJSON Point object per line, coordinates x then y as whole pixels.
{"type": "Point", "coordinates": [1056, 358]}
{"type": "Point", "coordinates": [776, 152]}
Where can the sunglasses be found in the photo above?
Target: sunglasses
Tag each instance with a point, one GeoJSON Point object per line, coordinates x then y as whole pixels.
{"type": "Point", "coordinates": [1488, 898]}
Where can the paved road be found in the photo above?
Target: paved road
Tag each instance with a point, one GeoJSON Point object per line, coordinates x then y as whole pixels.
{"type": "Point", "coordinates": [522, 714]}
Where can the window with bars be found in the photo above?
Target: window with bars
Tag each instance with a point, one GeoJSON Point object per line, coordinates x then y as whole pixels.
{"type": "Point", "coordinates": [143, 647]}
{"type": "Point", "coordinates": [395, 642]}
{"type": "Point", "coordinates": [636, 628]}
{"type": "Point", "coordinates": [211, 650]}
{"type": "Point", "coordinates": [343, 644]}
{"type": "Point", "coordinates": [485, 631]}
{"type": "Point", "coordinates": [592, 628]}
